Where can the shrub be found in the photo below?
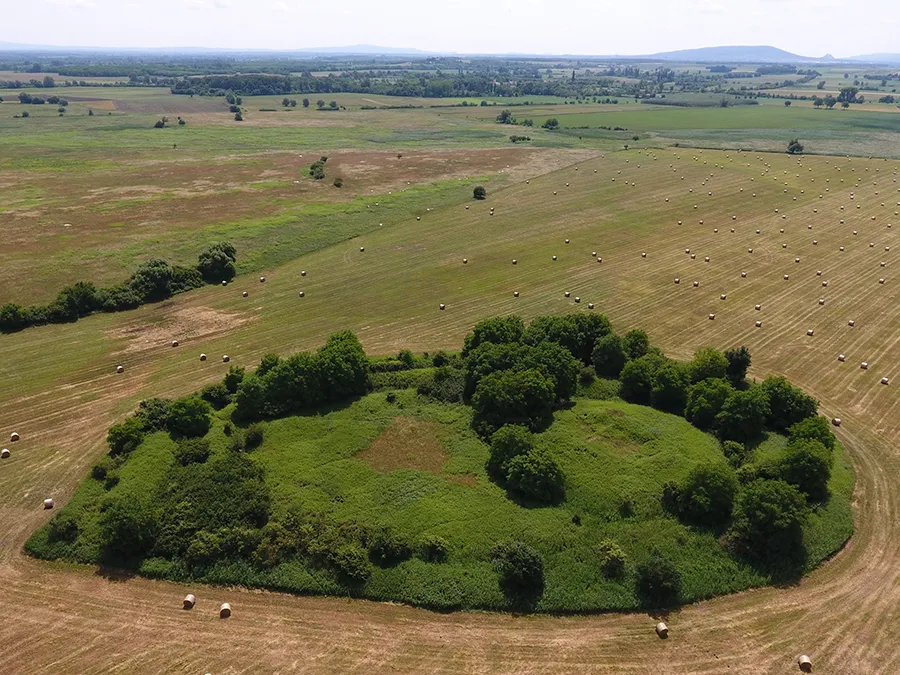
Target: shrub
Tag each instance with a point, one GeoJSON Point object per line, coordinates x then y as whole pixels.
{"type": "Point", "coordinates": [192, 451]}
{"type": "Point", "coordinates": [636, 343]}
{"type": "Point", "coordinates": [216, 395]}
{"type": "Point", "coordinates": [13, 318]}
{"type": "Point", "coordinates": [189, 416]}
{"type": "Point", "coordinates": [558, 364]}
{"type": "Point", "coordinates": [707, 494]}
{"type": "Point", "coordinates": [63, 527]}
{"type": "Point", "coordinates": [704, 402]}
{"type": "Point", "coordinates": [743, 415]}
{"type": "Point", "coordinates": [479, 192]}
{"type": "Point", "coordinates": [734, 452]}
{"type": "Point", "coordinates": [352, 564]}
{"type": "Point", "coordinates": [551, 124]}
{"type": "Point", "coordinates": [253, 438]}
{"type": "Point", "coordinates": [537, 476]}
{"type": "Point", "coordinates": [807, 466]}
{"type": "Point", "coordinates": [609, 356]}
{"type": "Point", "coordinates": [738, 363]}
{"type": "Point", "coordinates": [232, 379]}
{"type": "Point", "coordinates": [125, 437]}
{"type": "Point", "coordinates": [127, 529]}
{"type": "Point", "coordinates": [708, 363]}
{"type": "Point", "coordinates": [637, 378]}
{"type": "Point", "coordinates": [317, 170]}
{"type": "Point", "coordinates": [217, 263]}
{"type": "Point", "coordinates": [205, 549]}
{"type": "Point", "coordinates": [497, 330]}
{"type": "Point", "coordinates": [152, 280]}
{"type": "Point", "coordinates": [795, 147]}
{"type": "Point", "coordinates": [434, 549]}
{"type": "Point", "coordinates": [338, 182]}
{"type": "Point", "coordinates": [507, 443]}
{"type": "Point", "coordinates": [812, 428]}
{"type": "Point", "coordinates": [787, 404]}
{"type": "Point", "coordinates": [523, 397]}
{"type": "Point", "coordinates": [586, 376]}
{"type": "Point", "coordinates": [670, 387]}
{"type": "Point", "coordinates": [389, 548]}
{"type": "Point", "coordinates": [658, 582]}
{"type": "Point", "coordinates": [520, 569]}
{"type": "Point", "coordinates": [611, 558]}
{"type": "Point", "coordinates": [768, 516]}
{"type": "Point", "coordinates": [154, 413]}
{"type": "Point", "coordinates": [267, 363]}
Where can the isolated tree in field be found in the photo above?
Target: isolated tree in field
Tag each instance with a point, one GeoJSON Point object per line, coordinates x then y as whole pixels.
{"type": "Point", "coordinates": [49, 82]}
{"type": "Point", "coordinates": [830, 101]}
{"type": "Point", "coordinates": [738, 363]}
{"type": "Point", "coordinates": [333, 105]}
{"type": "Point", "coordinates": [551, 124]}
{"type": "Point", "coordinates": [821, 84]}
{"type": "Point", "coordinates": [658, 582]}
{"type": "Point", "coordinates": [537, 476]}
{"type": "Point", "coordinates": [217, 263]}
{"type": "Point", "coordinates": [306, 103]}
{"type": "Point", "coordinates": [479, 192]}
{"type": "Point", "coordinates": [848, 94]}
{"type": "Point", "coordinates": [818, 102]}
{"type": "Point", "coordinates": [787, 104]}
{"type": "Point", "coordinates": [768, 517]}
{"type": "Point", "coordinates": [506, 117]}
{"type": "Point", "coordinates": [795, 147]}
{"type": "Point", "coordinates": [285, 102]}
{"type": "Point", "coordinates": [320, 104]}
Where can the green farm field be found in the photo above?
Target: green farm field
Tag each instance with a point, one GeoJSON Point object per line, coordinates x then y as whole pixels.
{"type": "Point", "coordinates": [62, 391]}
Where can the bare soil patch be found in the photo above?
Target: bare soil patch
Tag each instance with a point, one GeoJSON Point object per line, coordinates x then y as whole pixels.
{"type": "Point", "coordinates": [187, 323]}
{"type": "Point", "coordinates": [408, 443]}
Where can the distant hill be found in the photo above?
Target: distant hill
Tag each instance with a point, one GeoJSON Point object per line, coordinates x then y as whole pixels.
{"type": "Point", "coordinates": [371, 50]}
{"type": "Point", "coordinates": [362, 49]}
{"type": "Point", "coordinates": [876, 58]}
{"type": "Point", "coordinates": [736, 54]}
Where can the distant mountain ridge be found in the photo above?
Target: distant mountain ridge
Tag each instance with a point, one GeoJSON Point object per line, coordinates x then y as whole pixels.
{"type": "Point", "coordinates": [738, 54]}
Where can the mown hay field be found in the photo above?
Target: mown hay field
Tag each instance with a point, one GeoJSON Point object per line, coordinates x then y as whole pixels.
{"type": "Point", "coordinates": [62, 392]}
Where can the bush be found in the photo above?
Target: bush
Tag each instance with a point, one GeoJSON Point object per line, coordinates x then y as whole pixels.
{"type": "Point", "coordinates": [507, 443]}
{"type": "Point", "coordinates": [636, 343]}
{"type": "Point", "coordinates": [63, 527]}
{"type": "Point", "coordinates": [232, 379]}
{"type": "Point", "coordinates": [768, 517]}
{"type": "Point", "coordinates": [127, 529]}
{"type": "Point", "coordinates": [317, 170]}
{"type": "Point", "coordinates": [217, 263]}
{"type": "Point", "coordinates": [812, 428]}
{"type": "Point", "coordinates": [253, 438]}
{"type": "Point", "coordinates": [216, 395]}
{"type": "Point", "coordinates": [795, 147]}
{"type": "Point", "coordinates": [192, 451]}
{"type": "Point", "coordinates": [205, 549]}
{"type": "Point", "coordinates": [125, 437]}
{"type": "Point", "coordinates": [152, 280]}
{"type": "Point", "coordinates": [154, 413]}
{"type": "Point", "coordinates": [13, 318]}
{"type": "Point", "coordinates": [637, 378]}
{"type": "Point", "coordinates": [611, 558]}
{"type": "Point", "coordinates": [523, 397]}
{"type": "Point", "coordinates": [807, 466]}
{"type": "Point", "coordinates": [338, 182]}
{"type": "Point", "coordinates": [670, 387]}
{"type": "Point", "coordinates": [389, 548]}
{"type": "Point", "coordinates": [352, 564]}
{"type": "Point", "coordinates": [787, 404]}
{"type": "Point", "coordinates": [704, 402]}
{"type": "Point", "coordinates": [707, 494]}
{"type": "Point", "coordinates": [708, 363]}
{"type": "Point", "coordinates": [609, 356]}
{"type": "Point", "coordinates": [743, 416]}
{"type": "Point", "coordinates": [520, 568]}
{"type": "Point", "coordinates": [658, 582]}
{"type": "Point", "coordinates": [738, 363]}
{"type": "Point", "coordinates": [536, 475]}
{"type": "Point", "coordinates": [734, 452]}
{"type": "Point", "coordinates": [479, 192]}
{"type": "Point", "coordinates": [190, 416]}
{"type": "Point", "coordinates": [434, 549]}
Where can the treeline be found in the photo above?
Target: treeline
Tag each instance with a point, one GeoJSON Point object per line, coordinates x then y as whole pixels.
{"type": "Point", "coordinates": [152, 281]}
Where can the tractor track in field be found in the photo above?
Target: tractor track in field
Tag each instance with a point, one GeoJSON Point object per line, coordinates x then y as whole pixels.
{"type": "Point", "coordinates": [67, 619]}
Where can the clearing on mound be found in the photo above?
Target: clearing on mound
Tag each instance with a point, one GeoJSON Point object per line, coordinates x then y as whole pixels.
{"type": "Point", "coordinates": [408, 443]}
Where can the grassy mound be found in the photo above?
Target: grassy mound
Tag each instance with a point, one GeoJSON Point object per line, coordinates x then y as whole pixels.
{"type": "Point", "coordinates": [388, 498]}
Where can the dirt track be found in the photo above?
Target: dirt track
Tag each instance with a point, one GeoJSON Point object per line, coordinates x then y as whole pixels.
{"type": "Point", "coordinates": [63, 620]}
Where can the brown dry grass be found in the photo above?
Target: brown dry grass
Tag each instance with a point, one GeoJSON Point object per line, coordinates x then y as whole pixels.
{"type": "Point", "coordinates": [61, 394]}
{"type": "Point", "coordinates": [408, 443]}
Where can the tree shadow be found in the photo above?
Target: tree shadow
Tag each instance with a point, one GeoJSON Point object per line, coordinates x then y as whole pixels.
{"type": "Point", "coordinates": [116, 574]}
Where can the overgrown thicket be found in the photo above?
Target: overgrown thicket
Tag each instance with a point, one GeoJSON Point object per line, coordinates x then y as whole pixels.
{"type": "Point", "coordinates": [210, 514]}
{"type": "Point", "coordinates": [152, 281]}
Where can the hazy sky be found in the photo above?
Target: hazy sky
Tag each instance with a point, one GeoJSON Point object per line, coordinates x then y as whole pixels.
{"type": "Point", "coordinates": [808, 27]}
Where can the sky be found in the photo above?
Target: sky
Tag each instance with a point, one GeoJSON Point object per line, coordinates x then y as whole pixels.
{"type": "Point", "coordinates": [807, 27]}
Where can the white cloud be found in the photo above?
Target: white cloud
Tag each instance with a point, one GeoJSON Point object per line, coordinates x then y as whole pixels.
{"type": "Point", "coordinates": [83, 4]}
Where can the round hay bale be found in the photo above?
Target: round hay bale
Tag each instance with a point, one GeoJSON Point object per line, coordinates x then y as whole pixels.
{"type": "Point", "coordinates": [203, 357]}
{"type": "Point", "coordinates": [735, 217]}
{"type": "Point", "coordinates": [48, 504]}
{"type": "Point", "coordinates": [805, 663]}
{"type": "Point", "coordinates": [887, 248]}
{"type": "Point", "coordinates": [712, 317]}
{"type": "Point", "coordinates": [842, 358]}
{"type": "Point", "coordinates": [302, 273]}
{"type": "Point", "coordinates": [810, 332]}
{"type": "Point", "coordinates": [821, 301]}
{"type": "Point", "coordinates": [715, 230]}
{"type": "Point", "coordinates": [824, 284]}
{"type": "Point", "coordinates": [225, 358]}
{"type": "Point", "coordinates": [418, 217]}
{"type": "Point", "coordinates": [787, 276]}
{"type": "Point", "coordinates": [881, 281]}
{"type": "Point", "coordinates": [722, 297]}
{"type": "Point", "coordinates": [836, 421]}
{"type": "Point", "coordinates": [224, 283]}
{"type": "Point", "coordinates": [743, 275]}
{"type": "Point", "coordinates": [302, 294]}
{"type": "Point", "coordinates": [577, 299]}
{"type": "Point", "coordinates": [882, 263]}
{"type": "Point", "coordinates": [442, 306]}
{"type": "Point", "coordinates": [244, 294]}
{"type": "Point", "coordinates": [465, 261]}
{"type": "Point", "coordinates": [677, 280]}
{"type": "Point", "coordinates": [815, 242]}
{"type": "Point", "coordinates": [782, 230]}
{"type": "Point", "coordinates": [749, 250]}
{"type": "Point", "coordinates": [224, 611]}
{"type": "Point", "coordinates": [567, 241]}
{"type": "Point", "coordinates": [687, 250]}
{"type": "Point", "coordinates": [4, 454]}
{"type": "Point", "coordinates": [515, 294]}
{"type": "Point", "coordinates": [706, 259]}
{"type": "Point", "coordinates": [593, 254]}
{"type": "Point", "coordinates": [13, 437]}
{"type": "Point", "coordinates": [693, 256]}
{"type": "Point", "coordinates": [189, 601]}
{"type": "Point", "coordinates": [818, 273]}
{"type": "Point", "coordinates": [796, 260]}
{"type": "Point", "coordinates": [851, 323]}
{"type": "Point", "coordinates": [732, 230]}
{"type": "Point", "coordinates": [784, 246]}
{"type": "Point", "coordinates": [696, 283]}
{"type": "Point", "coordinates": [362, 248]}
{"type": "Point", "coordinates": [662, 630]}
{"type": "Point", "coordinates": [757, 307]}
{"type": "Point", "coordinates": [262, 280]}
{"type": "Point", "coordinates": [514, 261]}
{"type": "Point", "coordinates": [864, 365]}
{"type": "Point", "coordinates": [120, 369]}
{"type": "Point", "coordinates": [554, 257]}
{"type": "Point", "coordinates": [884, 380]}
{"type": "Point", "coordinates": [174, 343]}
{"type": "Point", "coordinates": [567, 294]}
{"type": "Point", "coordinates": [871, 244]}
{"type": "Point", "coordinates": [590, 305]}
{"type": "Point", "coordinates": [757, 232]}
